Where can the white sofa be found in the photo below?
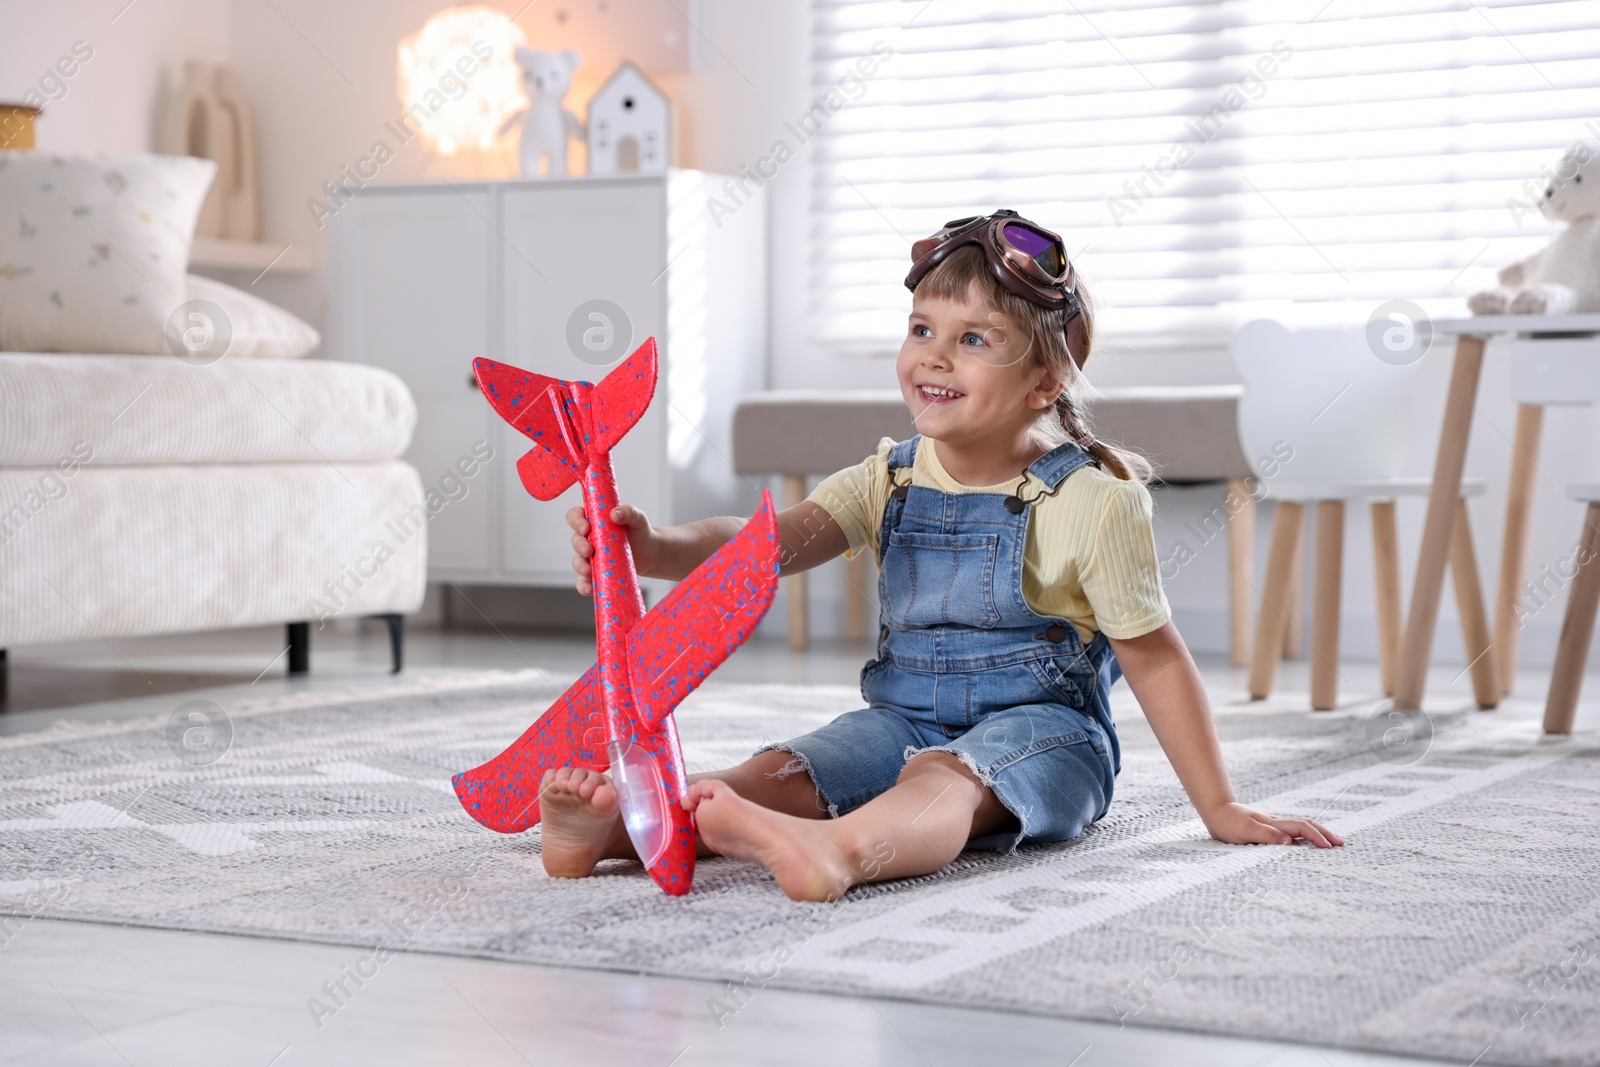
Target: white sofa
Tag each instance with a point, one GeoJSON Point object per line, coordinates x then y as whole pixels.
{"type": "Point", "coordinates": [145, 495]}
{"type": "Point", "coordinates": [168, 461]}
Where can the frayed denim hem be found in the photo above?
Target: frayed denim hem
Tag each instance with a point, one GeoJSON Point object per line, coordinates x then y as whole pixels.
{"type": "Point", "coordinates": [967, 760]}
{"type": "Point", "coordinates": [1004, 843]}
{"type": "Point", "coordinates": [798, 761]}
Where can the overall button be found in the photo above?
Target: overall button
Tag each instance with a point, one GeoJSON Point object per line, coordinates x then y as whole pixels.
{"type": "Point", "coordinates": [1056, 634]}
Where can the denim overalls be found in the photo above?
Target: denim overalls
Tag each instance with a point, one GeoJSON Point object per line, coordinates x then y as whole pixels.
{"type": "Point", "coordinates": [965, 666]}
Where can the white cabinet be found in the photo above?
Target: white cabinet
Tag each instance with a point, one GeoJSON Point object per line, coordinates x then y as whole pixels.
{"type": "Point", "coordinates": [428, 276]}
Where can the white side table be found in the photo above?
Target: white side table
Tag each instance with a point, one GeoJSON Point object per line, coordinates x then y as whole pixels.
{"type": "Point", "coordinates": [1558, 361]}
{"type": "Point", "coordinates": [1577, 626]}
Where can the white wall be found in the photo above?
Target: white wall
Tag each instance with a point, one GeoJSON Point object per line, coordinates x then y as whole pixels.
{"type": "Point", "coordinates": [109, 103]}
{"type": "Point", "coordinates": [322, 78]}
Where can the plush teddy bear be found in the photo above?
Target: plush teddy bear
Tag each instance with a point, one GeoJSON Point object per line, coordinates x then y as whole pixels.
{"type": "Point", "coordinates": [1564, 276]}
{"type": "Point", "coordinates": [546, 77]}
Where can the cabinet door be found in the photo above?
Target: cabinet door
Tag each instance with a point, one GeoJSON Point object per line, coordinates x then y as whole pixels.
{"type": "Point", "coordinates": [414, 293]}
{"type": "Point", "coordinates": [564, 246]}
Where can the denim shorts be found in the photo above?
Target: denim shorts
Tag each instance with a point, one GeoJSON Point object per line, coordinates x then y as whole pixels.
{"type": "Point", "coordinates": [1049, 765]}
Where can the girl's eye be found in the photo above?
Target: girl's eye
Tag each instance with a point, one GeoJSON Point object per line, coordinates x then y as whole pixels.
{"type": "Point", "coordinates": [973, 339]}
{"type": "Point", "coordinates": [919, 330]}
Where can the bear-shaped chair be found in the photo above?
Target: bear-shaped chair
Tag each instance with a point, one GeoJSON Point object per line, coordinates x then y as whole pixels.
{"type": "Point", "coordinates": [1337, 419]}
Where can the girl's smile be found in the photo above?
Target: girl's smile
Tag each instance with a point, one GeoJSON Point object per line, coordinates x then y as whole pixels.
{"type": "Point", "coordinates": [938, 394]}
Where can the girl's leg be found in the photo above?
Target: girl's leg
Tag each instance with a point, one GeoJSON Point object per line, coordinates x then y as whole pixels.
{"type": "Point", "coordinates": [578, 809]}
{"type": "Point", "coordinates": [916, 827]}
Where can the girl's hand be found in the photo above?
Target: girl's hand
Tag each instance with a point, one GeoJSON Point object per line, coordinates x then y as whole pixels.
{"type": "Point", "coordinates": [641, 539]}
{"type": "Point", "coordinates": [1238, 825]}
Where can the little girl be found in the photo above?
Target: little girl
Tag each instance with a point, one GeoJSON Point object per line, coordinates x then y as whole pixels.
{"type": "Point", "coordinates": [1018, 580]}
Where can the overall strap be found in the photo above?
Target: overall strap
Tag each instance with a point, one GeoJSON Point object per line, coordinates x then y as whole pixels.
{"type": "Point", "coordinates": [902, 454]}
{"type": "Point", "coordinates": [1053, 467]}
{"type": "Point", "coordinates": [901, 457]}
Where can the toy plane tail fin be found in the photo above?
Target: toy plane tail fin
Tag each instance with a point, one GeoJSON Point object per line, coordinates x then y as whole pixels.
{"type": "Point", "coordinates": [619, 400]}
{"type": "Point", "coordinates": [526, 400]}
{"type": "Point", "coordinates": [529, 401]}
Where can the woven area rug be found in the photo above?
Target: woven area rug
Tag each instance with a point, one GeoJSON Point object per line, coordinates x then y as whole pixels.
{"type": "Point", "coordinates": [1462, 921]}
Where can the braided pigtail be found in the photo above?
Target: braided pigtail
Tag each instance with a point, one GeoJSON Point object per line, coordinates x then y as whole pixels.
{"type": "Point", "coordinates": [1069, 409]}
{"type": "Point", "coordinates": [1125, 464]}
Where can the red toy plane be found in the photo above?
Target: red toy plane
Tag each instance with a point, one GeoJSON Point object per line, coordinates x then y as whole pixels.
{"type": "Point", "coordinates": [619, 714]}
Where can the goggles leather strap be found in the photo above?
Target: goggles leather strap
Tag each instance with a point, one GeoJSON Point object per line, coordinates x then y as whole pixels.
{"type": "Point", "coordinates": [986, 232]}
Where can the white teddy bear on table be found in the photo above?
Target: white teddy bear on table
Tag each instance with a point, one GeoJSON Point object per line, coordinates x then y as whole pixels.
{"type": "Point", "coordinates": [546, 77]}
{"type": "Point", "coordinates": [1564, 276]}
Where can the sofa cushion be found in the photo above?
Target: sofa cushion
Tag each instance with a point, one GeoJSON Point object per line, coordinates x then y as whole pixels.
{"type": "Point", "coordinates": [94, 248]}
{"type": "Point", "coordinates": [138, 410]}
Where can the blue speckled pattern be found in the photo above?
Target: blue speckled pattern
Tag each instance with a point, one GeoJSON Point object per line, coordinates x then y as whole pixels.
{"type": "Point", "coordinates": [647, 663]}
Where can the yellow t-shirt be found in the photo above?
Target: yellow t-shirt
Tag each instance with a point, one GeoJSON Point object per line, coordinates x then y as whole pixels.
{"type": "Point", "coordinates": [1089, 555]}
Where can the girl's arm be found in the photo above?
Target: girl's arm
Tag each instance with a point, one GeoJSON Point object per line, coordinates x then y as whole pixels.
{"type": "Point", "coordinates": [1167, 685]}
{"type": "Point", "coordinates": [807, 537]}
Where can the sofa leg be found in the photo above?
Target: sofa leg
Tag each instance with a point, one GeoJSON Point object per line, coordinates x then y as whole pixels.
{"type": "Point", "coordinates": [299, 648]}
{"type": "Point", "coordinates": [397, 641]}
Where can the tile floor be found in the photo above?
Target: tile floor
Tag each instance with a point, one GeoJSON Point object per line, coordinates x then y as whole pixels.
{"type": "Point", "coordinates": [73, 993]}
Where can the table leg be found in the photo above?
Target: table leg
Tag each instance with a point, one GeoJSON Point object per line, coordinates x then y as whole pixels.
{"type": "Point", "coordinates": [1514, 547]}
{"type": "Point", "coordinates": [1241, 560]}
{"type": "Point", "coordinates": [1386, 568]}
{"type": "Point", "coordinates": [794, 492]}
{"type": "Point", "coordinates": [1272, 619]}
{"type": "Point", "coordinates": [1577, 630]}
{"type": "Point", "coordinates": [1325, 606]}
{"type": "Point", "coordinates": [1443, 502]}
{"type": "Point", "coordinates": [1474, 619]}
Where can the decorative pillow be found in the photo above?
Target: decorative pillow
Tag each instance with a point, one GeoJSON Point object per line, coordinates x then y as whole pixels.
{"type": "Point", "coordinates": [255, 329]}
{"type": "Point", "coordinates": [94, 248]}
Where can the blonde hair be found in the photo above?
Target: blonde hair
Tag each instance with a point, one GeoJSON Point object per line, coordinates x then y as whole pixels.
{"type": "Point", "coordinates": [1048, 346]}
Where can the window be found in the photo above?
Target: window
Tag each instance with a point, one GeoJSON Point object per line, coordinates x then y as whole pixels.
{"type": "Point", "coordinates": [1207, 163]}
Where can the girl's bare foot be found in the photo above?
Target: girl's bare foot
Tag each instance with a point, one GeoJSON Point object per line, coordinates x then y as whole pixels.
{"type": "Point", "coordinates": [802, 854]}
{"type": "Point", "coordinates": [577, 810]}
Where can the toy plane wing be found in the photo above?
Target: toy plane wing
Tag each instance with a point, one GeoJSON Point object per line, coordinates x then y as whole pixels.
{"type": "Point", "coordinates": [705, 618]}
{"type": "Point", "coordinates": [677, 644]}
{"type": "Point", "coordinates": [503, 794]}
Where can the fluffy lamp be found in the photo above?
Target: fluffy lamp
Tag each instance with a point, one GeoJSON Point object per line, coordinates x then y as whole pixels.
{"type": "Point", "coordinates": [458, 78]}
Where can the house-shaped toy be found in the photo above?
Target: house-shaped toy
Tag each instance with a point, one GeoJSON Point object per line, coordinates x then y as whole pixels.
{"type": "Point", "coordinates": [629, 126]}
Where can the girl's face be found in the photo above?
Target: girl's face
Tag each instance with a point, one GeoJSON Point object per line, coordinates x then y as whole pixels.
{"type": "Point", "coordinates": [968, 376]}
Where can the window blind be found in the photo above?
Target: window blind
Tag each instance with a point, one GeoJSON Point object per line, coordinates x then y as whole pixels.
{"type": "Point", "coordinates": [1207, 163]}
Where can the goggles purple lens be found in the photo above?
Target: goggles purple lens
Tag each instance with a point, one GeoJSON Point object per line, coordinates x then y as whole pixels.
{"type": "Point", "coordinates": [1041, 249]}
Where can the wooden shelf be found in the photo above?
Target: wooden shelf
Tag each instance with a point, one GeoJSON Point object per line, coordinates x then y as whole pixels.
{"type": "Point", "coordinates": [220, 254]}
